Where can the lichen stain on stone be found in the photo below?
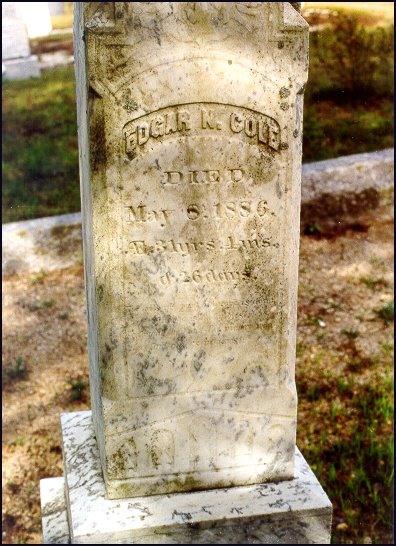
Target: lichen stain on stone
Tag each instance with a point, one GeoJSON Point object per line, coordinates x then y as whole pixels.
{"type": "Point", "coordinates": [124, 459]}
{"type": "Point", "coordinates": [181, 343]}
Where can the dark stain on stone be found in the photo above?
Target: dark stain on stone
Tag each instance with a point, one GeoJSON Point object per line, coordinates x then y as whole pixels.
{"type": "Point", "coordinates": [181, 343]}
{"type": "Point", "coordinates": [198, 360]}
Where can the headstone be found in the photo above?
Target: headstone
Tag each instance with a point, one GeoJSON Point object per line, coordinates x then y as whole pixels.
{"type": "Point", "coordinates": [190, 126]}
{"type": "Point", "coordinates": [37, 18]}
{"type": "Point", "coordinates": [56, 8]}
{"type": "Point", "coordinates": [18, 63]}
{"type": "Point", "coordinates": [191, 189]}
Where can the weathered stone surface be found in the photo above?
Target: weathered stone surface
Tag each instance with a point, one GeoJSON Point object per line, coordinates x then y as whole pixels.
{"type": "Point", "coordinates": [22, 69]}
{"type": "Point", "coordinates": [53, 511]}
{"type": "Point", "coordinates": [45, 244]}
{"type": "Point", "coordinates": [17, 60]}
{"type": "Point", "coordinates": [290, 512]}
{"type": "Point", "coordinates": [190, 172]}
{"type": "Point", "coordinates": [345, 187]}
{"type": "Point", "coordinates": [331, 190]}
{"type": "Point", "coordinates": [15, 40]}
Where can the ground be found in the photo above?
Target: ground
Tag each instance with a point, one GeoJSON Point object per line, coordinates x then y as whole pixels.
{"type": "Point", "coordinates": [344, 362]}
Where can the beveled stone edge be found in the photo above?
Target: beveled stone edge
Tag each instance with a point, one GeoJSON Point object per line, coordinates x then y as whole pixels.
{"type": "Point", "coordinates": [55, 523]}
{"type": "Point", "coordinates": [315, 503]}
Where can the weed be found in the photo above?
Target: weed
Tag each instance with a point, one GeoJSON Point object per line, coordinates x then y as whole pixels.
{"type": "Point", "coordinates": [387, 313]}
{"type": "Point", "coordinates": [312, 229]}
{"type": "Point", "coordinates": [299, 349]}
{"type": "Point", "coordinates": [305, 287]}
{"type": "Point", "coordinates": [18, 371]}
{"type": "Point", "coordinates": [374, 282]}
{"type": "Point", "coordinates": [313, 393]}
{"type": "Point", "coordinates": [36, 305]}
{"type": "Point", "coordinates": [335, 409]}
{"type": "Point", "coordinates": [63, 316]}
{"type": "Point", "coordinates": [38, 278]}
{"type": "Point", "coordinates": [332, 472]}
{"type": "Point", "coordinates": [350, 334]}
{"type": "Point", "coordinates": [77, 389]}
{"type": "Point", "coordinates": [358, 363]}
{"type": "Point", "coordinates": [13, 487]}
{"type": "Point", "coordinates": [387, 348]}
{"type": "Point", "coordinates": [343, 387]}
{"type": "Point", "coordinates": [315, 321]}
{"type": "Point", "coordinates": [354, 57]}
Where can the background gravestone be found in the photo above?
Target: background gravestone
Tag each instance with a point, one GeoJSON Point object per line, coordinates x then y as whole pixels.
{"type": "Point", "coordinates": [16, 57]}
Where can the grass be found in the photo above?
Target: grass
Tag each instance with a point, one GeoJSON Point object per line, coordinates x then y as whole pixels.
{"type": "Point", "coordinates": [353, 459]}
{"type": "Point", "coordinates": [40, 155]}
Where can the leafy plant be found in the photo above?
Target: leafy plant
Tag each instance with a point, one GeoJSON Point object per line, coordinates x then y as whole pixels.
{"type": "Point", "coordinates": [77, 389]}
{"type": "Point", "coordinates": [36, 305]}
{"type": "Point", "coordinates": [312, 229]}
{"type": "Point", "coordinates": [373, 282]}
{"type": "Point", "coordinates": [350, 334]}
{"type": "Point", "coordinates": [18, 371]}
{"type": "Point", "coordinates": [387, 313]}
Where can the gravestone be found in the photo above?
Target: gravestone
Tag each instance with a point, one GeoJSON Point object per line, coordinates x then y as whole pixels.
{"type": "Point", "coordinates": [18, 63]}
{"type": "Point", "coordinates": [190, 188]}
{"type": "Point", "coordinates": [56, 8]}
{"type": "Point", "coordinates": [190, 129]}
{"type": "Point", "coordinates": [37, 18]}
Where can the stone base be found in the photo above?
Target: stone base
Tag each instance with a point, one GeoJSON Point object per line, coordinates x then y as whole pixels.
{"type": "Point", "coordinates": [297, 511]}
{"type": "Point", "coordinates": [54, 511]}
{"type": "Point", "coordinates": [21, 69]}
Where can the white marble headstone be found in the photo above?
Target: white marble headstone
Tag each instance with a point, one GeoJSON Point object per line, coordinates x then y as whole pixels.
{"type": "Point", "coordinates": [17, 61]}
{"type": "Point", "coordinates": [190, 129]}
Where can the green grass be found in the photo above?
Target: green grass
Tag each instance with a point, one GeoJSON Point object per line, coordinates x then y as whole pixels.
{"type": "Point", "coordinates": [354, 459]}
{"type": "Point", "coordinates": [40, 153]}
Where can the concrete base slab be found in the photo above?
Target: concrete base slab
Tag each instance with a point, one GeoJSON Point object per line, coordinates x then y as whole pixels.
{"type": "Point", "coordinates": [21, 69]}
{"type": "Point", "coordinates": [297, 511]}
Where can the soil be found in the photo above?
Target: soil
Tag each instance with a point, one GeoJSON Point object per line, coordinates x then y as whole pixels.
{"type": "Point", "coordinates": [45, 370]}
